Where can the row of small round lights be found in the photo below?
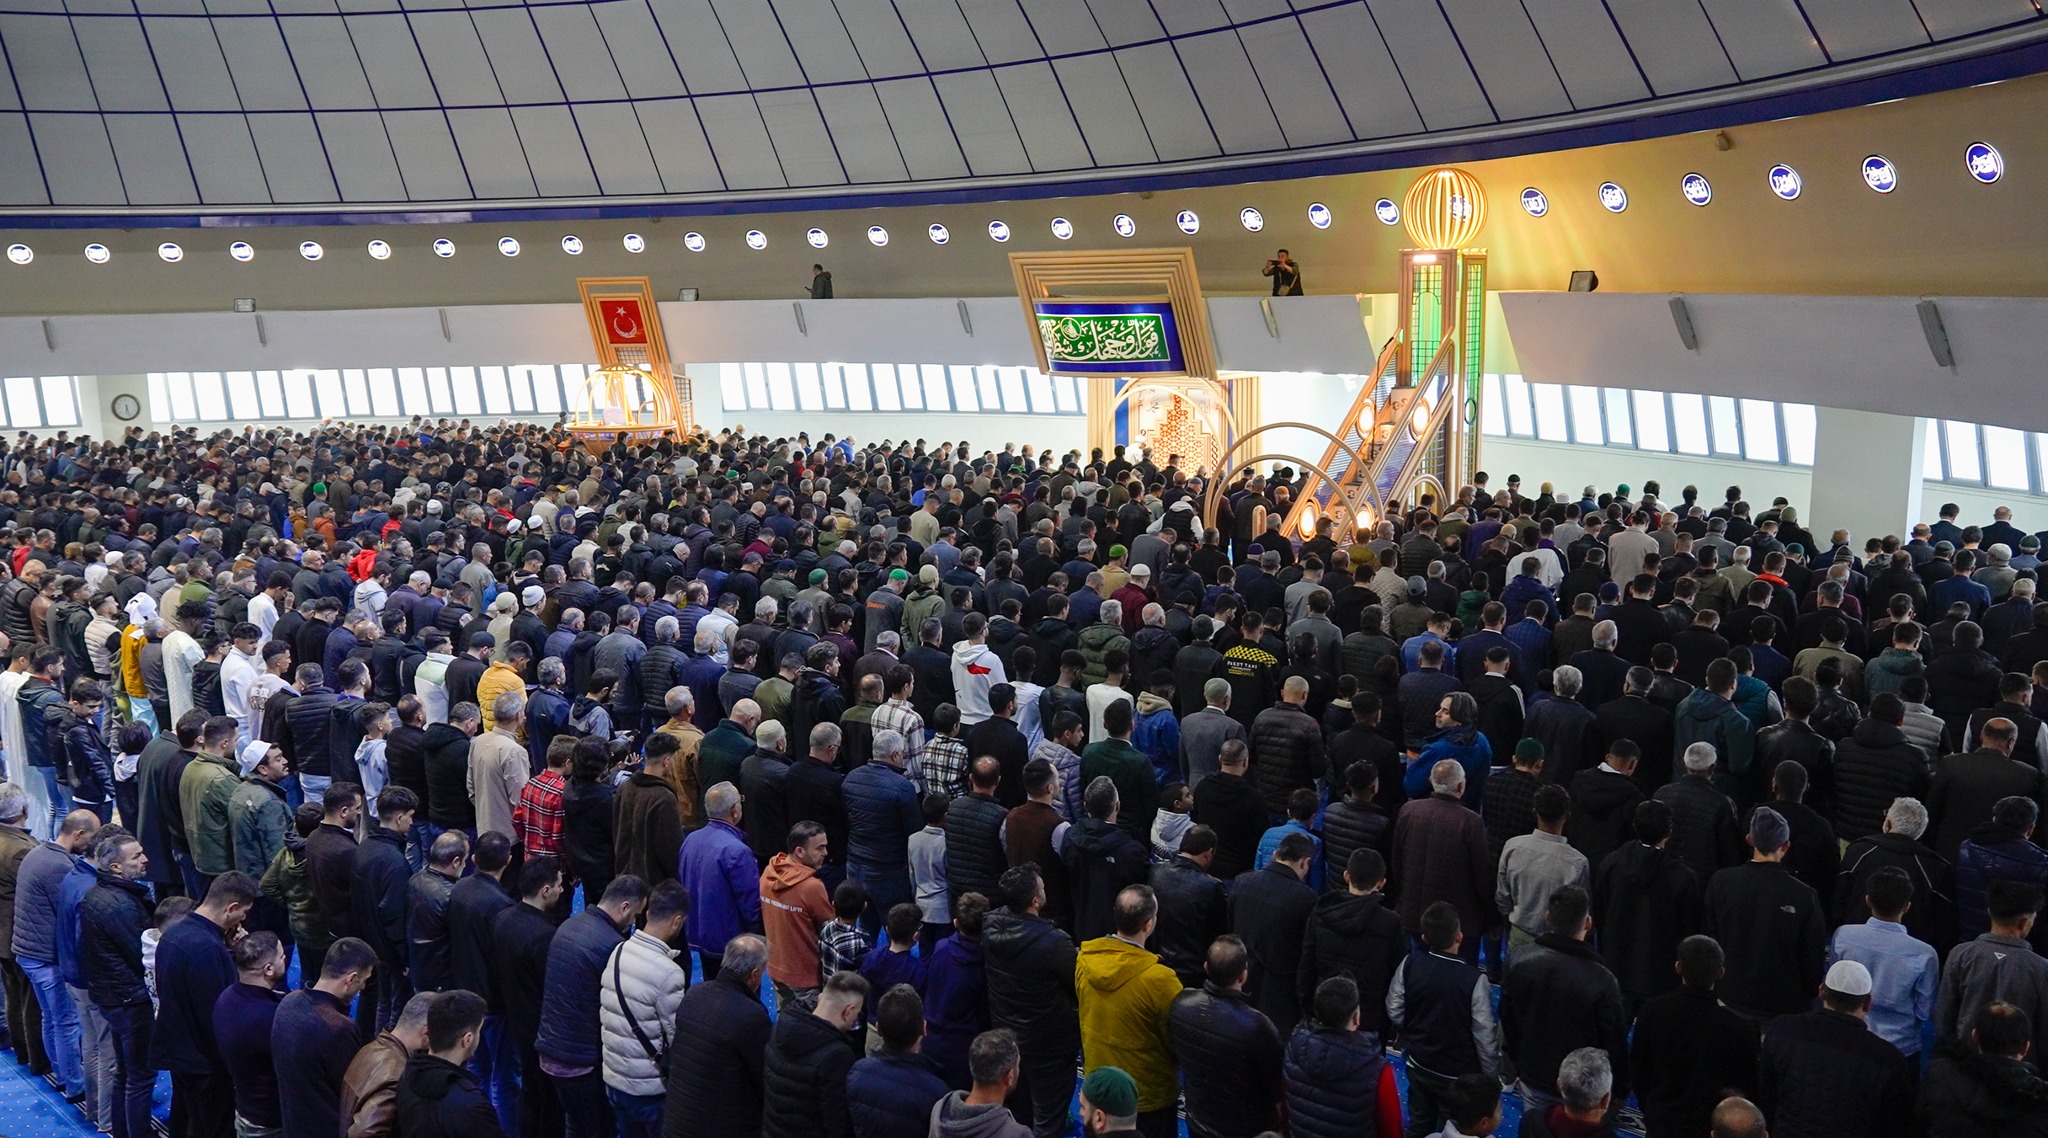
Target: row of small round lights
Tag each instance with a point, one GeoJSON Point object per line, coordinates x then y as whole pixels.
{"type": "Point", "coordinates": [1187, 220]}
{"type": "Point", "coordinates": [1981, 159]}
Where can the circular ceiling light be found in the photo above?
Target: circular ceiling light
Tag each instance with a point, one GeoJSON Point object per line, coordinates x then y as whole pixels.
{"type": "Point", "coordinates": [1062, 228]}
{"type": "Point", "coordinates": [1879, 174]}
{"type": "Point", "coordinates": [1123, 225]}
{"type": "Point", "coordinates": [1385, 210]}
{"type": "Point", "coordinates": [1785, 182]}
{"type": "Point", "coordinates": [756, 239]}
{"type": "Point", "coordinates": [242, 251]}
{"type": "Point", "coordinates": [1319, 215]}
{"type": "Point", "coordinates": [694, 242]}
{"type": "Point", "coordinates": [311, 250]}
{"type": "Point", "coordinates": [1251, 219]}
{"type": "Point", "coordinates": [171, 252]}
{"type": "Point", "coordinates": [1695, 187]}
{"type": "Point", "coordinates": [938, 233]}
{"type": "Point", "coordinates": [1534, 203]}
{"type": "Point", "coordinates": [508, 246]}
{"type": "Point", "coordinates": [1189, 221]}
{"type": "Point", "coordinates": [634, 243]}
{"type": "Point", "coordinates": [444, 248]}
{"type": "Point", "coordinates": [572, 245]}
{"type": "Point", "coordinates": [877, 236]}
{"type": "Point", "coordinates": [1613, 198]}
{"type": "Point", "coordinates": [380, 250]}
{"type": "Point", "coordinates": [98, 254]}
{"type": "Point", "coordinates": [817, 239]}
{"type": "Point", "coordinates": [1985, 163]}
{"type": "Point", "coordinates": [20, 254]}
{"type": "Point", "coordinates": [999, 230]}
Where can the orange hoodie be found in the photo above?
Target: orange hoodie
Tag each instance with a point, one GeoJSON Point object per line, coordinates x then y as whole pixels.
{"type": "Point", "coordinates": [793, 905]}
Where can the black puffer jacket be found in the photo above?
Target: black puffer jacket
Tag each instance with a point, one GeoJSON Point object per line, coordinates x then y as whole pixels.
{"type": "Point", "coordinates": [804, 1076]}
{"type": "Point", "coordinates": [715, 1065]}
{"type": "Point", "coordinates": [660, 670]}
{"type": "Point", "coordinates": [111, 919]}
{"type": "Point", "coordinates": [1703, 832]}
{"type": "Point", "coordinates": [1603, 811]}
{"type": "Point", "coordinates": [1152, 652]}
{"type": "Point", "coordinates": [309, 716]}
{"type": "Point", "coordinates": [1358, 937]}
{"type": "Point", "coordinates": [816, 700]}
{"type": "Point", "coordinates": [1029, 964]}
{"type": "Point", "coordinates": [1349, 826]}
{"type": "Point", "coordinates": [1966, 1095]}
{"type": "Point", "coordinates": [1559, 997]}
{"type": "Point", "coordinates": [1333, 1084]}
{"type": "Point", "coordinates": [974, 846]}
{"type": "Point", "coordinates": [446, 769]}
{"type": "Point", "coordinates": [1193, 912]}
{"type": "Point", "coordinates": [1230, 1056]}
{"type": "Point", "coordinates": [1873, 766]}
{"type": "Point", "coordinates": [1287, 753]}
{"type": "Point", "coordinates": [1933, 916]}
{"type": "Point", "coordinates": [437, 1099]}
{"type": "Point", "coordinates": [1825, 1073]}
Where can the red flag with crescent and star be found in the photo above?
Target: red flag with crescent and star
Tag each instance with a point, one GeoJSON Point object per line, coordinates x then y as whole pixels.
{"type": "Point", "coordinates": [624, 321]}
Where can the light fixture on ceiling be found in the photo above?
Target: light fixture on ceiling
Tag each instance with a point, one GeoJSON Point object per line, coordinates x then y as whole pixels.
{"type": "Point", "coordinates": [877, 236]}
{"type": "Point", "coordinates": [1695, 187]}
{"type": "Point", "coordinates": [170, 252]}
{"type": "Point", "coordinates": [508, 246]}
{"type": "Point", "coordinates": [694, 242]}
{"type": "Point", "coordinates": [98, 254]}
{"type": "Point", "coordinates": [1786, 182]}
{"type": "Point", "coordinates": [1251, 219]}
{"type": "Point", "coordinates": [756, 239]}
{"type": "Point", "coordinates": [444, 247]}
{"type": "Point", "coordinates": [634, 243]}
{"type": "Point", "coordinates": [1189, 221]}
{"type": "Point", "coordinates": [1984, 161]}
{"type": "Point", "coordinates": [1319, 215]}
{"type": "Point", "coordinates": [1124, 226]}
{"type": "Point", "coordinates": [20, 254]}
{"type": "Point", "coordinates": [242, 251]}
{"type": "Point", "coordinates": [938, 233]}
{"type": "Point", "coordinates": [572, 244]}
{"type": "Point", "coordinates": [817, 238]}
{"type": "Point", "coordinates": [1062, 229]}
{"type": "Point", "coordinates": [311, 250]}
{"type": "Point", "coordinates": [1613, 198]}
{"type": "Point", "coordinates": [380, 250]}
{"type": "Point", "coordinates": [999, 230]}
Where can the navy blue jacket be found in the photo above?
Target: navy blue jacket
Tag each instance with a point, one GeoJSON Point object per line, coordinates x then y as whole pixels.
{"type": "Point", "coordinates": [891, 1093]}
{"type": "Point", "coordinates": [192, 969]}
{"type": "Point", "coordinates": [569, 1032]}
{"type": "Point", "coordinates": [882, 812]}
{"type": "Point", "coordinates": [377, 891]}
{"type": "Point", "coordinates": [112, 918]}
{"type": "Point", "coordinates": [37, 696]}
{"type": "Point", "coordinates": [242, 1019]}
{"type": "Point", "coordinates": [313, 1037]}
{"type": "Point", "coordinates": [1333, 1084]}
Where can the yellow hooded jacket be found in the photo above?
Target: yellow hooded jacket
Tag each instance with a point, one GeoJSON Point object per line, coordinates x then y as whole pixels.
{"type": "Point", "coordinates": [1125, 993]}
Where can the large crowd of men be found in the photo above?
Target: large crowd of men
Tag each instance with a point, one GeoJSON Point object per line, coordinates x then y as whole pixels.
{"type": "Point", "coordinates": [550, 772]}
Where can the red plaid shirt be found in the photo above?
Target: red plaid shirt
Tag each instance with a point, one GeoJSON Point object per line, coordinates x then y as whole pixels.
{"type": "Point", "coordinates": [539, 817]}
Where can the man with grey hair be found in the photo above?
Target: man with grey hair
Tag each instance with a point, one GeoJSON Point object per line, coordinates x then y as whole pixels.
{"type": "Point", "coordinates": [1704, 834]}
{"type": "Point", "coordinates": [1586, 1082]}
{"type": "Point", "coordinates": [498, 764]}
{"type": "Point", "coordinates": [816, 794]}
{"type": "Point", "coordinates": [1603, 673]}
{"type": "Point", "coordinates": [718, 1075]}
{"type": "Point", "coordinates": [883, 810]}
{"type": "Point", "coordinates": [1933, 915]}
{"type": "Point", "coordinates": [724, 881]}
{"type": "Point", "coordinates": [1440, 853]}
{"type": "Point", "coordinates": [1566, 726]}
{"type": "Point", "coordinates": [764, 780]}
{"type": "Point", "coordinates": [1203, 734]}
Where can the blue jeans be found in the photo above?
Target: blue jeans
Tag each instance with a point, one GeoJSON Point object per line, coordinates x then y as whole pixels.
{"type": "Point", "coordinates": [294, 792]}
{"type": "Point", "coordinates": [130, 1025]}
{"type": "Point", "coordinates": [638, 1116]}
{"type": "Point", "coordinates": [496, 1067]}
{"type": "Point", "coordinates": [48, 801]}
{"type": "Point", "coordinates": [886, 888]}
{"type": "Point", "coordinates": [60, 1024]}
{"type": "Point", "coordinates": [312, 786]}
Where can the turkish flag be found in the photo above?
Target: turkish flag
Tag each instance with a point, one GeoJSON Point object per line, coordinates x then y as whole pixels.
{"type": "Point", "coordinates": [624, 322]}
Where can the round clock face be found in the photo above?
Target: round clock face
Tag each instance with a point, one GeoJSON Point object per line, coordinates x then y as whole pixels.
{"type": "Point", "coordinates": [126, 407]}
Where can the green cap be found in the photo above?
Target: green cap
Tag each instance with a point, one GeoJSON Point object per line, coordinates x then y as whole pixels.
{"type": "Point", "coordinates": [1111, 1091]}
{"type": "Point", "coordinates": [1117, 551]}
{"type": "Point", "coordinates": [1529, 749]}
{"type": "Point", "coordinates": [898, 575]}
{"type": "Point", "coordinates": [817, 576]}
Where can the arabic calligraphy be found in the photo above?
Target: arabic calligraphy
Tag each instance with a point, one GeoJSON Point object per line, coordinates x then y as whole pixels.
{"type": "Point", "coordinates": [1127, 338]}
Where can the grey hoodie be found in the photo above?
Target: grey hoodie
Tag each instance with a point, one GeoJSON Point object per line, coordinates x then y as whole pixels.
{"type": "Point", "coordinates": [952, 1117]}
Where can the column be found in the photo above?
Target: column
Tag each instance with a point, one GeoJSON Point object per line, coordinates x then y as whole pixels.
{"type": "Point", "coordinates": [1866, 474]}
